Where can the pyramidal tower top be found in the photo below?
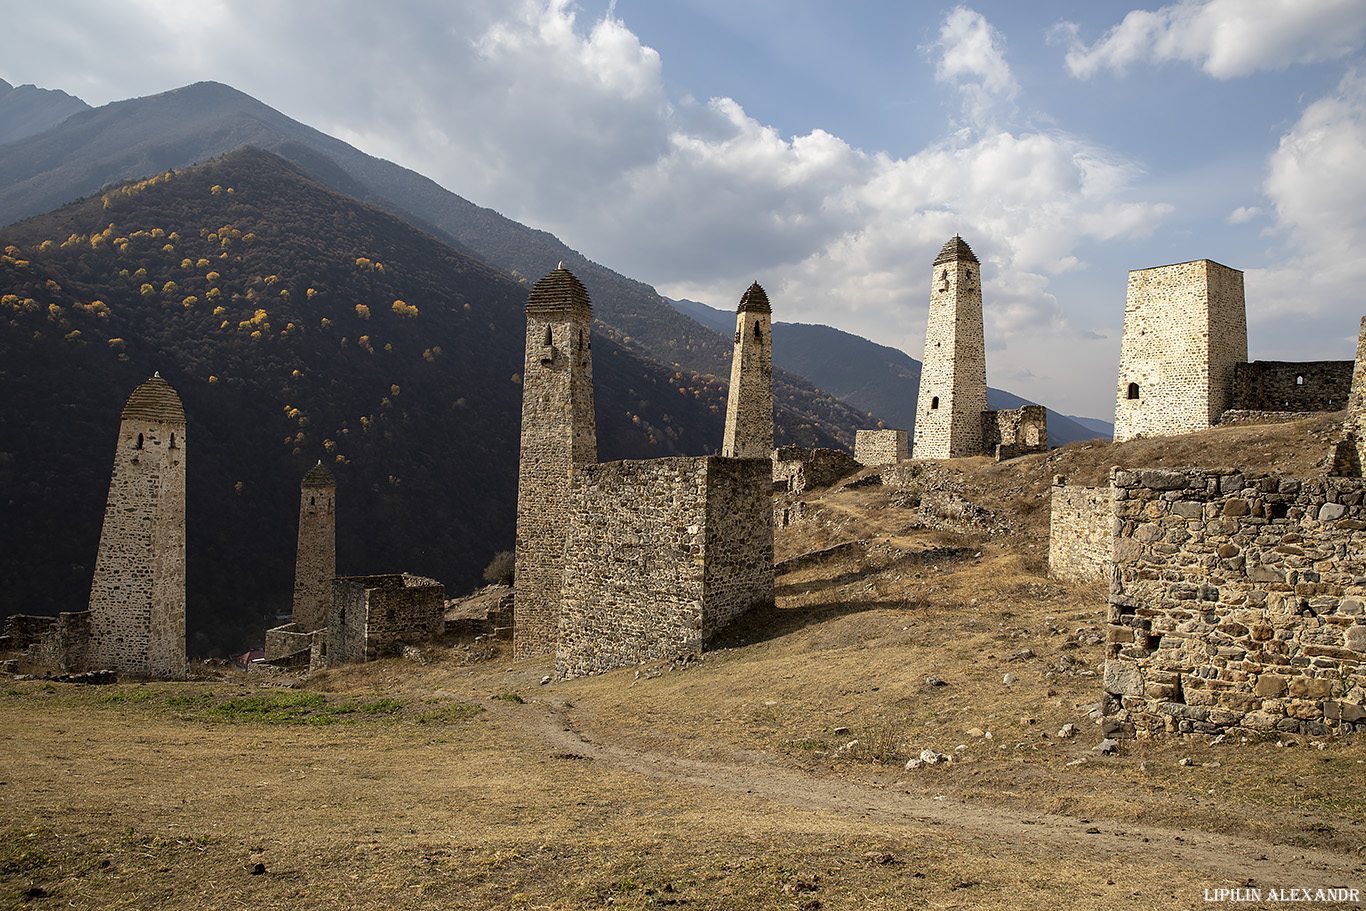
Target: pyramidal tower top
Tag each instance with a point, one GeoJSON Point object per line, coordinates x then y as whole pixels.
{"type": "Point", "coordinates": [953, 375]}
{"type": "Point", "coordinates": [749, 406]}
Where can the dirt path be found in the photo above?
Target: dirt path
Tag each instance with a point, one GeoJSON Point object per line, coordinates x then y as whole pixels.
{"type": "Point", "coordinates": [1224, 857]}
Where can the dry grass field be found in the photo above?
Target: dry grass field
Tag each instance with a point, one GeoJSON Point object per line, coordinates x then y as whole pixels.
{"type": "Point", "coordinates": [771, 774]}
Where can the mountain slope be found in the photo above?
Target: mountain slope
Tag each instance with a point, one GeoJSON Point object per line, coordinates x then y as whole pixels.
{"type": "Point", "coordinates": [874, 378]}
{"type": "Point", "coordinates": [297, 325]}
{"type": "Point", "coordinates": [28, 110]}
{"type": "Point", "coordinates": [140, 137]}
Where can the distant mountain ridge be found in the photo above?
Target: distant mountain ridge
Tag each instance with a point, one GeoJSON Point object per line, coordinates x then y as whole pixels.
{"type": "Point", "coordinates": [28, 110]}
{"type": "Point", "coordinates": [140, 137]}
{"type": "Point", "coordinates": [875, 378]}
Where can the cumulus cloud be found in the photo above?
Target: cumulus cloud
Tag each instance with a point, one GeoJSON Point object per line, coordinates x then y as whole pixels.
{"type": "Point", "coordinates": [1226, 38]}
{"type": "Point", "coordinates": [972, 57]}
{"type": "Point", "coordinates": [1318, 196]}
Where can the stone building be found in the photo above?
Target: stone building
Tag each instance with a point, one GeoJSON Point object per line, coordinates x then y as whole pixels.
{"type": "Point", "coordinates": [625, 561]}
{"type": "Point", "coordinates": [375, 616]}
{"type": "Point", "coordinates": [749, 407]}
{"type": "Point", "coordinates": [952, 419]}
{"type": "Point", "coordinates": [1185, 329]}
{"type": "Point", "coordinates": [875, 448]}
{"type": "Point", "coordinates": [315, 562]}
{"type": "Point", "coordinates": [558, 433]}
{"type": "Point", "coordinates": [137, 597]}
{"type": "Point", "coordinates": [953, 372]}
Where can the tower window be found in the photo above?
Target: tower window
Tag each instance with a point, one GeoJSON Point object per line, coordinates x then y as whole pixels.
{"type": "Point", "coordinates": [934, 403]}
{"type": "Point", "coordinates": [758, 333]}
{"type": "Point", "coordinates": [548, 339]}
{"type": "Point", "coordinates": [1133, 391]}
{"type": "Point", "coordinates": [138, 445]}
{"type": "Point", "coordinates": [172, 441]}
{"type": "Point", "coordinates": [1299, 381]}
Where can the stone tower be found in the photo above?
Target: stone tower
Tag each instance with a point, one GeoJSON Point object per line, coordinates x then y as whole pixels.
{"type": "Point", "coordinates": [137, 598]}
{"type": "Point", "coordinates": [749, 407]}
{"type": "Point", "coordinates": [316, 562]}
{"type": "Point", "coordinates": [558, 432]}
{"type": "Point", "coordinates": [953, 376]}
{"type": "Point", "coordinates": [1185, 327]}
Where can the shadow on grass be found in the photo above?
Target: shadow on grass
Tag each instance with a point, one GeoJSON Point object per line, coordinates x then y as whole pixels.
{"type": "Point", "coordinates": [769, 621]}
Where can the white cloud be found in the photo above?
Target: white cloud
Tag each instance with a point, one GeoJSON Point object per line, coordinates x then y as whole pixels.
{"type": "Point", "coordinates": [1318, 194]}
{"type": "Point", "coordinates": [1226, 38]}
{"type": "Point", "coordinates": [1244, 214]}
{"type": "Point", "coordinates": [972, 57]}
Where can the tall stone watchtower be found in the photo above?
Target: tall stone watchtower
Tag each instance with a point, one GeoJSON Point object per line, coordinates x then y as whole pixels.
{"type": "Point", "coordinates": [953, 375]}
{"type": "Point", "coordinates": [315, 563]}
{"type": "Point", "coordinates": [558, 432]}
{"type": "Point", "coordinates": [749, 407]}
{"type": "Point", "coordinates": [137, 597]}
{"type": "Point", "coordinates": [1185, 327]}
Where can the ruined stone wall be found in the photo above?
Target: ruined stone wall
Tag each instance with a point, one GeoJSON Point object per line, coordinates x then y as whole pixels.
{"type": "Point", "coordinates": [738, 556]}
{"type": "Point", "coordinates": [558, 433]}
{"type": "Point", "coordinates": [61, 643]}
{"type": "Point", "coordinates": [137, 596]}
{"type": "Point", "coordinates": [796, 468]}
{"type": "Point", "coordinates": [749, 403]}
{"type": "Point", "coordinates": [1185, 327]}
{"type": "Point", "coordinates": [1236, 602]}
{"type": "Point", "coordinates": [289, 639]}
{"type": "Point", "coordinates": [373, 616]}
{"type": "Point", "coordinates": [316, 558]}
{"type": "Point", "coordinates": [1080, 533]}
{"type": "Point", "coordinates": [953, 374]}
{"type": "Point", "coordinates": [880, 447]}
{"type": "Point", "coordinates": [633, 581]}
{"type": "Point", "coordinates": [1305, 386]}
{"type": "Point", "coordinates": [660, 555]}
{"type": "Point", "coordinates": [1015, 432]}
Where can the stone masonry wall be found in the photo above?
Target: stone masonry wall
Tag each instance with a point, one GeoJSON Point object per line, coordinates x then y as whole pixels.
{"type": "Point", "coordinates": [1185, 327]}
{"type": "Point", "coordinates": [1080, 533]}
{"type": "Point", "coordinates": [633, 582]}
{"type": "Point", "coordinates": [749, 403]}
{"type": "Point", "coordinates": [880, 447]}
{"type": "Point", "coordinates": [796, 468]}
{"type": "Point", "coordinates": [1291, 386]}
{"type": "Point", "coordinates": [60, 643]}
{"type": "Point", "coordinates": [660, 555]}
{"type": "Point", "coordinates": [315, 562]}
{"type": "Point", "coordinates": [372, 616]}
{"type": "Point", "coordinates": [1014, 432]}
{"type": "Point", "coordinates": [1236, 602]}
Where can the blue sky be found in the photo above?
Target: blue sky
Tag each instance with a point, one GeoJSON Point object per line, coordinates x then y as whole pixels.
{"type": "Point", "coordinates": [829, 149]}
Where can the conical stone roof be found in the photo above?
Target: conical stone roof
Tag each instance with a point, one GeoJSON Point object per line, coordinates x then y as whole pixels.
{"type": "Point", "coordinates": [155, 400]}
{"type": "Point", "coordinates": [559, 293]}
{"type": "Point", "coordinates": [956, 249]}
{"type": "Point", "coordinates": [754, 300]}
{"type": "Point", "coordinates": [318, 476]}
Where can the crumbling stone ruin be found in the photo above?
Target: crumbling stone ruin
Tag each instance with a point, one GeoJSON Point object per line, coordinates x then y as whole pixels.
{"type": "Point", "coordinates": [875, 448]}
{"type": "Point", "coordinates": [952, 419]}
{"type": "Point", "coordinates": [315, 563]}
{"type": "Point", "coordinates": [797, 469]}
{"type": "Point", "coordinates": [375, 616]}
{"type": "Point", "coordinates": [626, 561]}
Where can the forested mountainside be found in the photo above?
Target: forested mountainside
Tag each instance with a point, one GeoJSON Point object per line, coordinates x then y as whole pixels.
{"type": "Point", "coordinates": [297, 325]}
{"type": "Point", "coordinates": [141, 137]}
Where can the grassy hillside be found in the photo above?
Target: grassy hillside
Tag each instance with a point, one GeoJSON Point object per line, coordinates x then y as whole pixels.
{"type": "Point", "coordinates": [297, 325]}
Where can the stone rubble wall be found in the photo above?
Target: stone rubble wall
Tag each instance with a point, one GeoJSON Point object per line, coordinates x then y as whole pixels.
{"type": "Point", "coordinates": [737, 571]}
{"type": "Point", "coordinates": [1014, 432]}
{"type": "Point", "coordinates": [1236, 603]}
{"type": "Point", "coordinates": [1080, 533]}
{"type": "Point", "coordinates": [953, 373]}
{"type": "Point", "coordinates": [1238, 417]}
{"type": "Point", "coordinates": [749, 403]}
{"type": "Point", "coordinates": [1306, 386]}
{"type": "Point", "coordinates": [875, 448]}
{"type": "Point", "coordinates": [374, 616]}
{"type": "Point", "coordinates": [797, 469]}
{"type": "Point", "coordinates": [316, 558]}
{"type": "Point", "coordinates": [61, 643]}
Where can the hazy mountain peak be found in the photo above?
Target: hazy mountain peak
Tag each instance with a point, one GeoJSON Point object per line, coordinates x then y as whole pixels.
{"type": "Point", "coordinates": [27, 110]}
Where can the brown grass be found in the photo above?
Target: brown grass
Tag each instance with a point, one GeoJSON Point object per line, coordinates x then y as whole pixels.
{"type": "Point", "coordinates": [712, 784]}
